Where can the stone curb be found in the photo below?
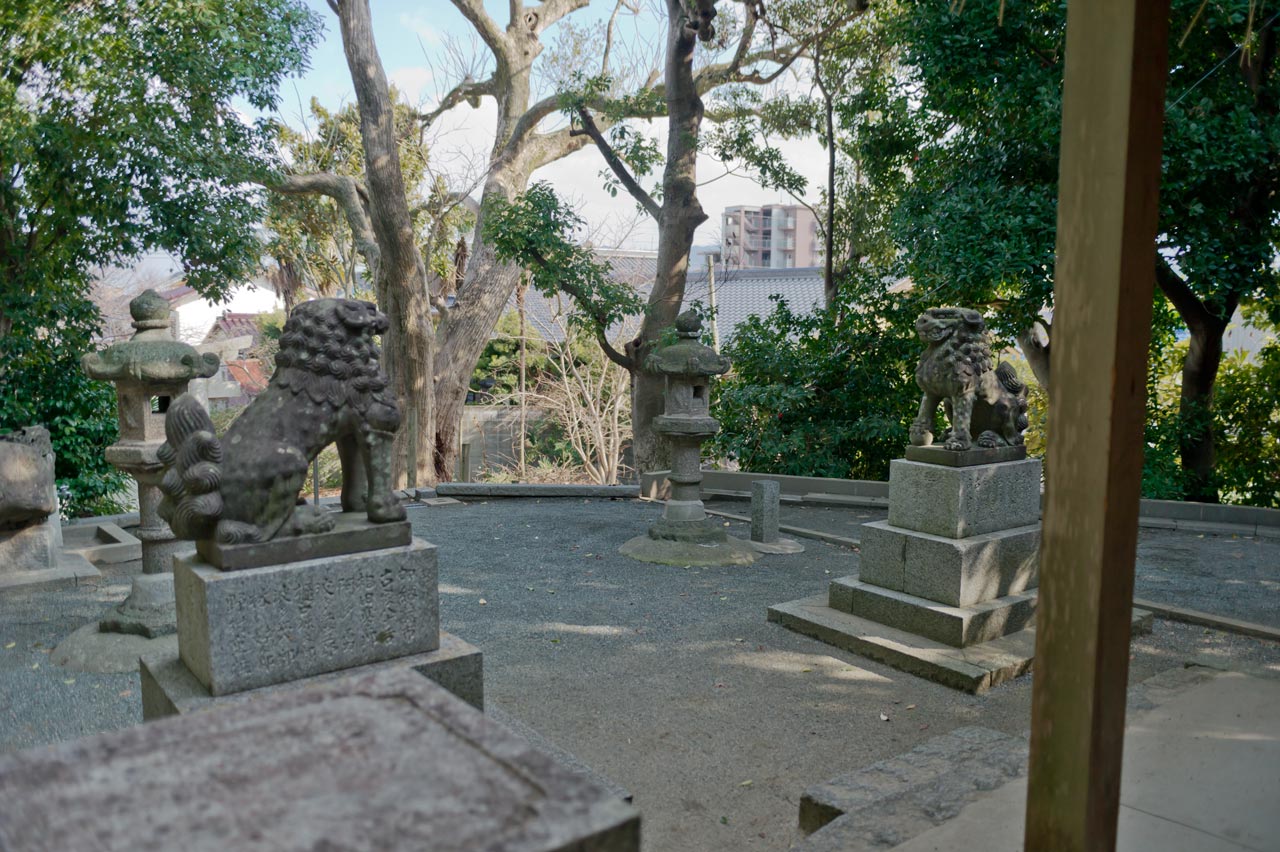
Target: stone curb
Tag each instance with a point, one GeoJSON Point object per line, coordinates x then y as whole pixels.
{"type": "Point", "coordinates": [494, 489]}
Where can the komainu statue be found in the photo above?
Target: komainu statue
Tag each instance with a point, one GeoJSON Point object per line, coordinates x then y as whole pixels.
{"type": "Point", "coordinates": [984, 407]}
{"type": "Point", "coordinates": [328, 387]}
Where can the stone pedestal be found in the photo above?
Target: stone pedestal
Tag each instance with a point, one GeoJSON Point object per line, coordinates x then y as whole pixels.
{"type": "Point", "coordinates": [256, 630]}
{"type": "Point", "coordinates": [31, 547]}
{"type": "Point", "coordinates": [766, 499]}
{"type": "Point", "coordinates": [379, 762]}
{"type": "Point", "coordinates": [946, 586]}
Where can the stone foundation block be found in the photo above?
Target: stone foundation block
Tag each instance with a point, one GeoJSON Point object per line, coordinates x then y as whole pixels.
{"type": "Point", "coordinates": [386, 762]}
{"type": "Point", "coordinates": [241, 630]}
{"type": "Point", "coordinates": [958, 627]}
{"type": "Point", "coordinates": [957, 502]}
{"type": "Point", "coordinates": [957, 572]}
{"type": "Point", "coordinates": [170, 689]}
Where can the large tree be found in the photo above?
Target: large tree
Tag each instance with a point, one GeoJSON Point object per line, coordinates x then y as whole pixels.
{"type": "Point", "coordinates": [117, 134]}
{"type": "Point", "coordinates": [430, 370]}
{"type": "Point", "coordinates": [973, 124]}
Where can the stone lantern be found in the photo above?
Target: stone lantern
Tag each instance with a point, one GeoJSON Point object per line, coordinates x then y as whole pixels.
{"type": "Point", "coordinates": [149, 371]}
{"type": "Point", "coordinates": [685, 535]}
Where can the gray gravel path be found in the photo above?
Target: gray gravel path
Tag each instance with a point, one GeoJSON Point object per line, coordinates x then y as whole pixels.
{"type": "Point", "coordinates": [668, 680]}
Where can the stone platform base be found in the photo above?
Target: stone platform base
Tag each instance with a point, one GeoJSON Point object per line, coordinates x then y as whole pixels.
{"type": "Point", "coordinates": [70, 566]}
{"type": "Point", "coordinates": [974, 669]}
{"type": "Point", "coordinates": [778, 545]}
{"type": "Point", "coordinates": [101, 544]}
{"type": "Point", "coordinates": [170, 689]}
{"type": "Point", "coordinates": [732, 551]}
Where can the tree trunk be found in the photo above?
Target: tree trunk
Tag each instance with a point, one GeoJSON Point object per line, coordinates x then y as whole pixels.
{"type": "Point", "coordinates": [400, 277]}
{"type": "Point", "coordinates": [1199, 370]}
{"type": "Point", "coordinates": [681, 216]}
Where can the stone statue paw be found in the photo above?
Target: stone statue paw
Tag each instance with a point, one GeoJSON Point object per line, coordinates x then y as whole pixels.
{"type": "Point", "coordinates": [386, 509]}
{"type": "Point", "coordinates": [990, 440]}
{"type": "Point", "coordinates": [309, 520]}
{"type": "Point", "coordinates": [956, 441]}
{"type": "Point", "coordinates": [921, 434]}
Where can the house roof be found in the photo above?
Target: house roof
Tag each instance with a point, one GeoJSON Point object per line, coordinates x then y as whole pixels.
{"type": "Point", "coordinates": [231, 325]}
{"type": "Point", "coordinates": [251, 374]}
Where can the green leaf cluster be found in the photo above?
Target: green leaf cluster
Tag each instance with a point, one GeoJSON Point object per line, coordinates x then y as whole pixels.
{"type": "Point", "coordinates": [120, 134]}
{"type": "Point", "coordinates": [828, 393]}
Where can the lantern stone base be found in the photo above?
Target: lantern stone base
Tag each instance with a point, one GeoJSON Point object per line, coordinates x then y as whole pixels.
{"type": "Point", "coordinates": [149, 610]}
{"type": "Point", "coordinates": [662, 551]}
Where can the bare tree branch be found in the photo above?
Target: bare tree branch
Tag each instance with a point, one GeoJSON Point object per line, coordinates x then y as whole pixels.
{"type": "Point", "coordinates": [615, 163]}
{"type": "Point", "coordinates": [487, 27]}
{"type": "Point", "coordinates": [629, 5]}
{"type": "Point", "coordinates": [548, 12]}
{"type": "Point", "coordinates": [353, 199]}
{"type": "Point", "coordinates": [467, 90]}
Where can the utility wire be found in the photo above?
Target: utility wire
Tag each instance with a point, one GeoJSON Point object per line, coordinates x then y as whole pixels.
{"type": "Point", "coordinates": [1224, 61]}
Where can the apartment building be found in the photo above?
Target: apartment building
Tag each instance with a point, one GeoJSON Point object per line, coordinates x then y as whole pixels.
{"type": "Point", "coordinates": [777, 236]}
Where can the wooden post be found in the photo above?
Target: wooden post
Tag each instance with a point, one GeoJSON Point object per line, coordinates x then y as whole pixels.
{"type": "Point", "coordinates": [1109, 176]}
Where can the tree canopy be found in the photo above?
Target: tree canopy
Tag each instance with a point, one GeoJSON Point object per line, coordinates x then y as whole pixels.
{"type": "Point", "coordinates": [120, 133]}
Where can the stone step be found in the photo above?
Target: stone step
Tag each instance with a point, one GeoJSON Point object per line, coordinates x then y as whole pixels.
{"type": "Point", "coordinates": [957, 626]}
{"type": "Point", "coordinates": [974, 669]}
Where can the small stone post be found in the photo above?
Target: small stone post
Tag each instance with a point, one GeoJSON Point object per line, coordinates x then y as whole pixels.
{"type": "Point", "coordinates": [149, 371]}
{"type": "Point", "coordinates": [685, 535]}
{"type": "Point", "coordinates": [765, 498]}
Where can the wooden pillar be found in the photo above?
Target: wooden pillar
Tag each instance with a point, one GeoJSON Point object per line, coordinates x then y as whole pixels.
{"type": "Point", "coordinates": [1109, 172]}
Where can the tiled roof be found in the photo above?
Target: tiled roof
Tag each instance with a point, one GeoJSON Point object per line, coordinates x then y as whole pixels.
{"type": "Point", "coordinates": [231, 325]}
{"type": "Point", "coordinates": [251, 374]}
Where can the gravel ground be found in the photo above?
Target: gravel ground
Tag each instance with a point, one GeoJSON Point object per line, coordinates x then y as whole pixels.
{"type": "Point", "coordinates": [667, 680]}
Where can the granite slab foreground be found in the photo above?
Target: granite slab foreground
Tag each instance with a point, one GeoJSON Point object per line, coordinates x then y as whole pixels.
{"type": "Point", "coordinates": [385, 762]}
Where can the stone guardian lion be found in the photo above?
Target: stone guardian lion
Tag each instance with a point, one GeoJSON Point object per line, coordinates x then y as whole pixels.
{"type": "Point", "coordinates": [328, 387]}
{"type": "Point", "coordinates": [984, 407]}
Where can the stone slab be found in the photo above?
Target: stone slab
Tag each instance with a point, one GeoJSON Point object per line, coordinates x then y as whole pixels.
{"type": "Point", "coordinates": [102, 543]}
{"type": "Point", "coordinates": [959, 627]}
{"type": "Point", "coordinates": [352, 532]}
{"type": "Point", "coordinates": [240, 630]}
{"type": "Point", "coordinates": [974, 669]}
{"type": "Point", "coordinates": [34, 547]}
{"type": "Point", "coordinates": [957, 502]}
{"type": "Point", "coordinates": [965, 458]}
{"type": "Point", "coordinates": [388, 762]}
{"type": "Point", "coordinates": [958, 572]}
{"type": "Point", "coordinates": [731, 551]}
{"type": "Point", "coordinates": [170, 689]}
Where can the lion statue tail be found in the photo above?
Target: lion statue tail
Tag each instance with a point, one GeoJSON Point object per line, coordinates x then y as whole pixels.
{"type": "Point", "coordinates": [192, 455]}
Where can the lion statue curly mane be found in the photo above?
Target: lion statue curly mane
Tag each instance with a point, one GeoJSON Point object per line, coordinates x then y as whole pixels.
{"type": "Point", "coordinates": [328, 387]}
{"type": "Point", "coordinates": [984, 407]}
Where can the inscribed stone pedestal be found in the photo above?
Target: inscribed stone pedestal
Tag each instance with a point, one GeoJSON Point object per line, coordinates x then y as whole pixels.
{"type": "Point", "coordinates": [962, 501]}
{"type": "Point", "coordinates": [239, 630]}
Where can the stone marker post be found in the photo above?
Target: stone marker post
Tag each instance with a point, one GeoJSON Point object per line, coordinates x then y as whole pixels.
{"type": "Point", "coordinates": [149, 370]}
{"type": "Point", "coordinates": [685, 535]}
{"type": "Point", "coordinates": [766, 495]}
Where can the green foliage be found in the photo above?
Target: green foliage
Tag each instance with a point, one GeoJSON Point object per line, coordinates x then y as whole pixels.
{"type": "Point", "coordinates": [536, 231]}
{"type": "Point", "coordinates": [500, 360]}
{"type": "Point", "coordinates": [824, 394]}
{"type": "Point", "coordinates": [118, 135]}
{"type": "Point", "coordinates": [1248, 423]}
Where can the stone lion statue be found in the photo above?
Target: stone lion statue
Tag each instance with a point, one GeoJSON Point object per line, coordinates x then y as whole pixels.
{"type": "Point", "coordinates": [984, 407]}
{"type": "Point", "coordinates": [328, 387]}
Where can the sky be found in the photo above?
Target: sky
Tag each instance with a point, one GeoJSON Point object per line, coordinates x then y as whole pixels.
{"type": "Point", "coordinates": [416, 40]}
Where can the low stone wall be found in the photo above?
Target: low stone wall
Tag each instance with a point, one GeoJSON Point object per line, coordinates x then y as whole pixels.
{"type": "Point", "coordinates": [1163, 514]}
